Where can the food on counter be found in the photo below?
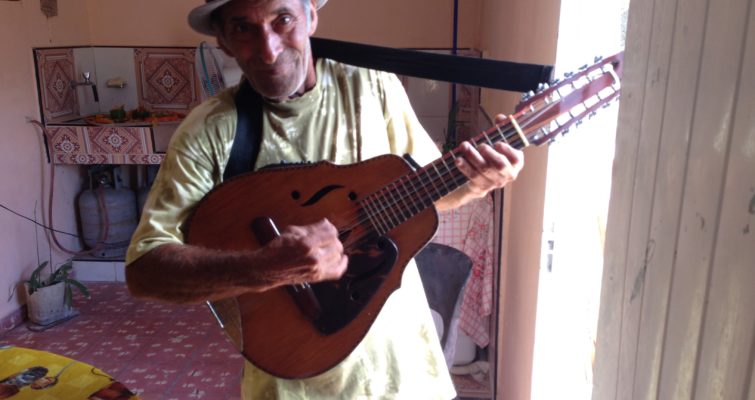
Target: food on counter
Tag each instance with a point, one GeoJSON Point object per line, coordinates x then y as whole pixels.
{"type": "Point", "coordinates": [118, 114]}
{"type": "Point", "coordinates": [139, 115]}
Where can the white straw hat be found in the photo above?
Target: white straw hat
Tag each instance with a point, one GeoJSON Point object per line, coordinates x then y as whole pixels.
{"type": "Point", "coordinates": [199, 18]}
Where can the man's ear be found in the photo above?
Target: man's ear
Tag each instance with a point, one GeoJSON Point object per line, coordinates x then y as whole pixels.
{"type": "Point", "coordinates": [312, 17]}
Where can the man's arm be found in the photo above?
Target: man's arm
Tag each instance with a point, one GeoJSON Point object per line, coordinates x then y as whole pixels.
{"type": "Point", "coordinates": [488, 168]}
{"type": "Point", "coordinates": [181, 273]}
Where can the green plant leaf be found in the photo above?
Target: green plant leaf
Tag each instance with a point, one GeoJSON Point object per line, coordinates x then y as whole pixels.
{"type": "Point", "coordinates": [35, 282]}
{"type": "Point", "coordinates": [80, 286]}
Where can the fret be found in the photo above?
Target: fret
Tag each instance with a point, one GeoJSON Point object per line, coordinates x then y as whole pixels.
{"type": "Point", "coordinates": [405, 206]}
{"type": "Point", "coordinates": [450, 174]}
{"type": "Point", "coordinates": [389, 213]}
{"type": "Point", "coordinates": [394, 209]}
{"type": "Point", "coordinates": [421, 198]}
{"type": "Point", "coordinates": [490, 142]}
{"type": "Point", "coordinates": [408, 198]}
{"type": "Point", "coordinates": [369, 216]}
{"type": "Point", "coordinates": [433, 185]}
{"type": "Point", "coordinates": [443, 181]}
{"type": "Point", "coordinates": [500, 133]}
{"type": "Point", "coordinates": [381, 223]}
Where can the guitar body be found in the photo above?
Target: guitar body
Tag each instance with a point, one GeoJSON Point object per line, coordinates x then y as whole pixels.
{"type": "Point", "coordinates": [271, 330]}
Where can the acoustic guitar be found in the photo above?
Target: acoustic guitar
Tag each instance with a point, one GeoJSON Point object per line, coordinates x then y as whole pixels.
{"type": "Point", "coordinates": [383, 209]}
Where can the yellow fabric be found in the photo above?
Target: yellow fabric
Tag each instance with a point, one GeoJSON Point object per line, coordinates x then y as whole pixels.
{"type": "Point", "coordinates": [31, 374]}
{"type": "Point", "coordinates": [351, 115]}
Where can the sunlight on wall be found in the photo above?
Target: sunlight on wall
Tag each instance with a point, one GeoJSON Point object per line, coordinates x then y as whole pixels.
{"type": "Point", "coordinates": [577, 194]}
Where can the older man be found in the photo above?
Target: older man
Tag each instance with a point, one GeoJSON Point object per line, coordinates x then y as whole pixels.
{"type": "Point", "coordinates": [311, 110]}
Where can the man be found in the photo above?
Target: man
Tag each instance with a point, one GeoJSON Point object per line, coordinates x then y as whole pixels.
{"type": "Point", "coordinates": [313, 110]}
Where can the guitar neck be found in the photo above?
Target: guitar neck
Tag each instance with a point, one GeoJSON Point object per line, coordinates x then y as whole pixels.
{"type": "Point", "coordinates": [538, 120]}
{"type": "Point", "coordinates": [417, 190]}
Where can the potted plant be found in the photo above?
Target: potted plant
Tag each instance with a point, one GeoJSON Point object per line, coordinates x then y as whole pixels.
{"type": "Point", "coordinates": [50, 298]}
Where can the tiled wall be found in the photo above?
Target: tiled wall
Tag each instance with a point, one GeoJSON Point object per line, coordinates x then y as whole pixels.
{"type": "Point", "coordinates": [166, 79]}
{"type": "Point", "coordinates": [159, 79]}
{"type": "Point", "coordinates": [55, 73]}
{"type": "Point", "coordinates": [102, 145]}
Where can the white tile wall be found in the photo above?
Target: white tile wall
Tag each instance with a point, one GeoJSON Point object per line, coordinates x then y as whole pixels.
{"type": "Point", "coordinates": [99, 271]}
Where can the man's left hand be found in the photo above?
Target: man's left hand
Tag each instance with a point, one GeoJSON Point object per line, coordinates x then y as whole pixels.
{"type": "Point", "coordinates": [489, 167]}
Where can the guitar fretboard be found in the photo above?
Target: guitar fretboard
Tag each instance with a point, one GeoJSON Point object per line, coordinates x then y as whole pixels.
{"type": "Point", "coordinates": [414, 192]}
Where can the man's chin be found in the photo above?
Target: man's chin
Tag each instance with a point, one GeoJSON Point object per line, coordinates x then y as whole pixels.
{"type": "Point", "coordinates": [277, 93]}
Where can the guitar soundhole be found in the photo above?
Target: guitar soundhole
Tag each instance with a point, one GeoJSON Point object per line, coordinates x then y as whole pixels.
{"type": "Point", "coordinates": [341, 301]}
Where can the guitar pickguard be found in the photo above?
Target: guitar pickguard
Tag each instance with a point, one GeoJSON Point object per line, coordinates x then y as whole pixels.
{"type": "Point", "coordinates": [342, 300]}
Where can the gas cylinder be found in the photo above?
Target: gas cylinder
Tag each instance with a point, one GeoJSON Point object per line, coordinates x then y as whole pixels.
{"type": "Point", "coordinates": [119, 205]}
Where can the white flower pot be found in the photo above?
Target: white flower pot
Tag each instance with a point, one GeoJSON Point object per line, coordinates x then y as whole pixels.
{"type": "Point", "coordinates": [47, 304]}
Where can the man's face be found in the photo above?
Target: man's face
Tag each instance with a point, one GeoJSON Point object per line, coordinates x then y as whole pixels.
{"type": "Point", "coordinates": [270, 41]}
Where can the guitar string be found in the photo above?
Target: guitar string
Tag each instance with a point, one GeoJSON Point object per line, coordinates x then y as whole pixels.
{"type": "Point", "coordinates": [426, 179]}
{"type": "Point", "coordinates": [379, 205]}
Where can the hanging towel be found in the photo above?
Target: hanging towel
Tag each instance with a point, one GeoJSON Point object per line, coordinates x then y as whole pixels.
{"type": "Point", "coordinates": [470, 229]}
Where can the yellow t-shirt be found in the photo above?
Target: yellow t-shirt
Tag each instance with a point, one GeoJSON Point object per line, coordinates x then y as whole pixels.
{"type": "Point", "coordinates": [351, 115]}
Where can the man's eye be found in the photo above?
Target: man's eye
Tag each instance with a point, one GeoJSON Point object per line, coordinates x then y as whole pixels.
{"type": "Point", "coordinates": [240, 28]}
{"type": "Point", "coordinates": [285, 19]}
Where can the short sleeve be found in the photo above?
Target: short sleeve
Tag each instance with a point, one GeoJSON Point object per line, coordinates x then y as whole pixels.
{"type": "Point", "coordinates": [192, 167]}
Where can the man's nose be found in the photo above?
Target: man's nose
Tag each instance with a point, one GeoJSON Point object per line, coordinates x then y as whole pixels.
{"type": "Point", "coordinates": [270, 47]}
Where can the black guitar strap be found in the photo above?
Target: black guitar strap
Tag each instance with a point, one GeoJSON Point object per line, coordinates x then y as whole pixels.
{"type": "Point", "coordinates": [246, 144]}
{"type": "Point", "coordinates": [493, 74]}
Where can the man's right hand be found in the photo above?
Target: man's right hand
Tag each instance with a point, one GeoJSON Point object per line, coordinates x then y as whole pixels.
{"type": "Point", "coordinates": [308, 253]}
{"type": "Point", "coordinates": [182, 273]}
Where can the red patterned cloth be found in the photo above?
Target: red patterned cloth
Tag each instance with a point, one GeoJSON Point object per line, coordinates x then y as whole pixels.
{"type": "Point", "coordinates": [470, 229]}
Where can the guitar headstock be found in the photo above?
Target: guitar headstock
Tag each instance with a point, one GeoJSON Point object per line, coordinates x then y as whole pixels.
{"type": "Point", "coordinates": [555, 107]}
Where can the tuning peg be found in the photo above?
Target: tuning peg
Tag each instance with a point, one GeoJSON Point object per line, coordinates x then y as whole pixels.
{"type": "Point", "coordinates": [598, 59]}
{"type": "Point", "coordinates": [578, 123]}
{"type": "Point", "coordinates": [592, 114]}
{"type": "Point", "coordinates": [568, 74]}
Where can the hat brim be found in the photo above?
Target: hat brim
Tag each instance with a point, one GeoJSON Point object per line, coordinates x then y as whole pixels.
{"type": "Point", "coordinates": [199, 18]}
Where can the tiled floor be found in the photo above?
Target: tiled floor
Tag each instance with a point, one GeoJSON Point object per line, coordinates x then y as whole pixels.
{"type": "Point", "coordinates": [160, 351]}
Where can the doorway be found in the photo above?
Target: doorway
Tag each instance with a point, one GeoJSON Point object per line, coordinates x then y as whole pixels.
{"type": "Point", "coordinates": [576, 205]}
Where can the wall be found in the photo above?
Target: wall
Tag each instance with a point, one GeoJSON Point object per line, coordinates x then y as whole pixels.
{"type": "Point", "coordinates": [142, 23]}
{"type": "Point", "coordinates": [676, 318]}
{"type": "Point", "coordinates": [423, 22]}
{"type": "Point", "coordinates": [24, 172]}
{"type": "Point", "coordinates": [504, 25]}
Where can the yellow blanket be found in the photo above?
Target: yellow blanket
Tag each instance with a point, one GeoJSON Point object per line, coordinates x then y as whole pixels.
{"type": "Point", "coordinates": [33, 374]}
